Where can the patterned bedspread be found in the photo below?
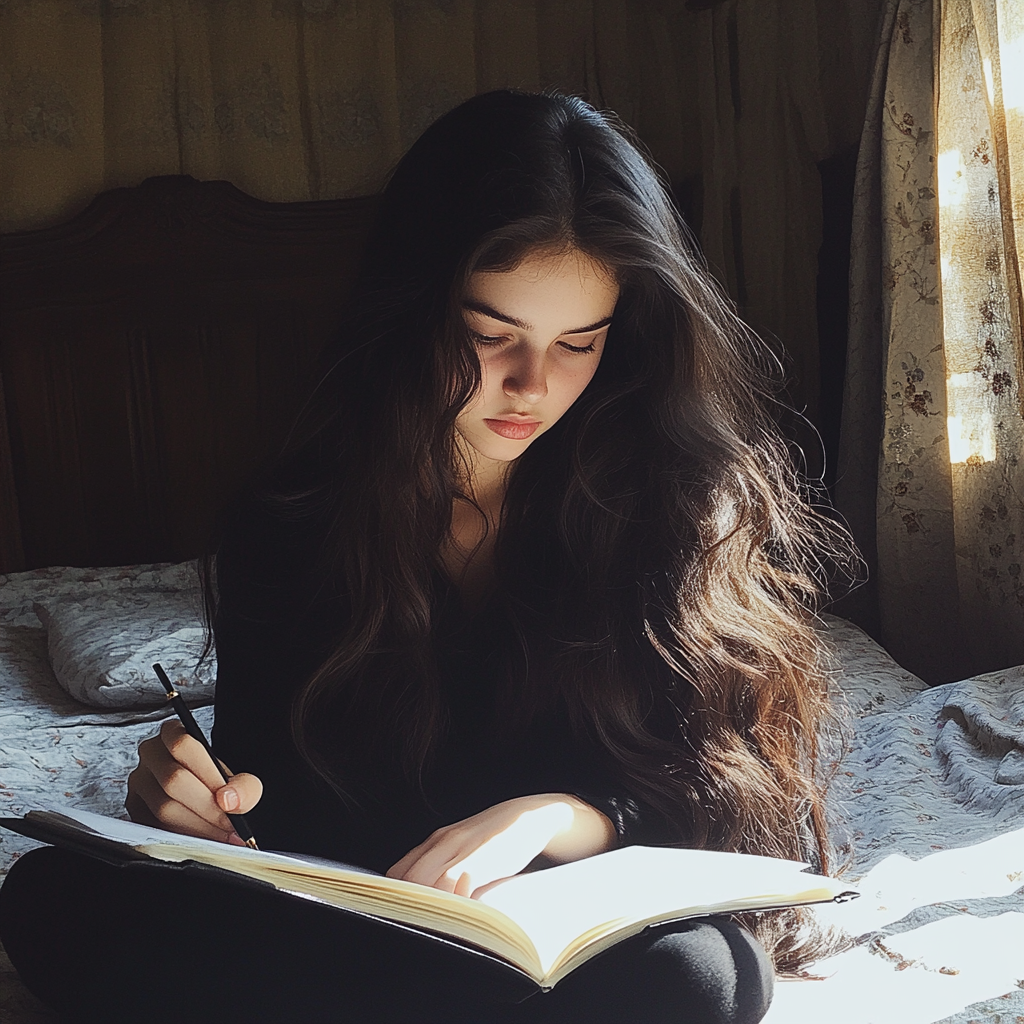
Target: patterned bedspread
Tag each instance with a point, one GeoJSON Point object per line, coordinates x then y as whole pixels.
{"type": "Point", "coordinates": [930, 797]}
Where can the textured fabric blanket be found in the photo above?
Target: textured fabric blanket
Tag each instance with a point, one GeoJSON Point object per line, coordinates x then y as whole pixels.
{"type": "Point", "coordinates": [927, 797]}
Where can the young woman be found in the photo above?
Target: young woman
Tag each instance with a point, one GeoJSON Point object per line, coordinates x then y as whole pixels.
{"type": "Point", "coordinates": [533, 579]}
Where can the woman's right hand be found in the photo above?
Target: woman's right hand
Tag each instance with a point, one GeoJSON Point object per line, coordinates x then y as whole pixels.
{"type": "Point", "coordinates": [177, 788]}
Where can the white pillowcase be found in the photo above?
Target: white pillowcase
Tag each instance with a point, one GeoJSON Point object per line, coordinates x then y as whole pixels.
{"type": "Point", "coordinates": [102, 647]}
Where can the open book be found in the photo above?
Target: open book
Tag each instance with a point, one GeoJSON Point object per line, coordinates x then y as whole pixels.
{"type": "Point", "coordinates": [544, 923]}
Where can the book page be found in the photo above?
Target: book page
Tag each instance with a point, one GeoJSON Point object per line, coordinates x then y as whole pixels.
{"type": "Point", "coordinates": [594, 896]}
{"type": "Point", "coordinates": [323, 862]}
{"type": "Point", "coordinates": [128, 832]}
{"type": "Point", "coordinates": [133, 834]}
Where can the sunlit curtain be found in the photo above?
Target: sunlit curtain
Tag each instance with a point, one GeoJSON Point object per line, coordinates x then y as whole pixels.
{"type": "Point", "coordinates": [931, 473]}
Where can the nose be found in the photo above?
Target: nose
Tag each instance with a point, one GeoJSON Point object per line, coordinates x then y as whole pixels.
{"type": "Point", "coordinates": [525, 378]}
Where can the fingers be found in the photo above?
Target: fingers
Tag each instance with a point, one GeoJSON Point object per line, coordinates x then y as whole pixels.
{"type": "Point", "coordinates": [238, 796]}
{"type": "Point", "coordinates": [177, 787]}
{"type": "Point", "coordinates": [495, 844]}
{"type": "Point", "coordinates": [426, 864]}
{"type": "Point", "coordinates": [191, 754]}
{"type": "Point", "coordinates": [241, 794]}
{"type": "Point", "coordinates": [454, 857]}
{"type": "Point", "coordinates": [169, 813]}
{"type": "Point", "coordinates": [482, 890]}
{"type": "Point", "coordinates": [460, 864]}
{"type": "Point", "coordinates": [398, 870]}
{"type": "Point", "coordinates": [501, 856]}
{"type": "Point", "coordinates": [429, 863]}
{"type": "Point", "coordinates": [135, 805]}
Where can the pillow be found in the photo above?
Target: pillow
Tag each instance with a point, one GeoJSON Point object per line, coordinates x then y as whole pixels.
{"type": "Point", "coordinates": [102, 647]}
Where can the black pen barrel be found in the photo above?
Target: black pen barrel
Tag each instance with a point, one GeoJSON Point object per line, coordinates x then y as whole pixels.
{"type": "Point", "coordinates": [241, 826]}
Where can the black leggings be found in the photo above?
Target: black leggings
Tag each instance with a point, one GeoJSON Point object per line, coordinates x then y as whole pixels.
{"type": "Point", "coordinates": [140, 944]}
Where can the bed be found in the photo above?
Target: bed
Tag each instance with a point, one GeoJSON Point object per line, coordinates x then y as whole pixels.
{"type": "Point", "coordinates": [179, 312]}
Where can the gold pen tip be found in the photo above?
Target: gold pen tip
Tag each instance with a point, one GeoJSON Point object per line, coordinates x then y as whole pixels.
{"type": "Point", "coordinates": [251, 843]}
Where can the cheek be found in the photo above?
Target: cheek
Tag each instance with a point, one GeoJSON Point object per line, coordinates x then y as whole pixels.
{"type": "Point", "coordinates": [490, 375]}
{"type": "Point", "coordinates": [490, 378]}
{"type": "Point", "coordinates": [573, 381]}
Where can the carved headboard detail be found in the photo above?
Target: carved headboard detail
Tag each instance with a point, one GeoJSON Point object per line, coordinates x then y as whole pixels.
{"type": "Point", "coordinates": [152, 350]}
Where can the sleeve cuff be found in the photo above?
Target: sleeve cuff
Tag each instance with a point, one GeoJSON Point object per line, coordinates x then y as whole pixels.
{"type": "Point", "coordinates": [632, 826]}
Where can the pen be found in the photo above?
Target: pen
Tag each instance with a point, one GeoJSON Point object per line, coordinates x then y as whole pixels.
{"type": "Point", "coordinates": [192, 728]}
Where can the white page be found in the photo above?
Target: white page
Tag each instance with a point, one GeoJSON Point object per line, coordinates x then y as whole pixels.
{"type": "Point", "coordinates": [133, 834]}
{"type": "Point", "coordinates": [129, 832]}
{"type": "Point", "coordinates": [557, 905]}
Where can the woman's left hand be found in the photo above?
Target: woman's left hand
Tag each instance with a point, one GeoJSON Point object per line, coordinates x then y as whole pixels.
{"type": "Point", "coordinates": [468, 856]}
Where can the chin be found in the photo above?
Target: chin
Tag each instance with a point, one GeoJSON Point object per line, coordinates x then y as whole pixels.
{"type": "Point", "coordinates": [498, 449]}
{"type": "Point", "coordinates": [508, 452]}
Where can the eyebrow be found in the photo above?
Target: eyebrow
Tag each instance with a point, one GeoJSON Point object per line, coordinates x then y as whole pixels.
{"type": "Point", "coordinates": [482, 307]}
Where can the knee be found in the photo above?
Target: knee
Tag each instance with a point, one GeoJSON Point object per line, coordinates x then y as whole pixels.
{"type": "Point", "coordinates": [26, 898]}
{"type": "Point", "coordinates": [25, 890]}
{"type": "Point", "coordinates": [717, 971]}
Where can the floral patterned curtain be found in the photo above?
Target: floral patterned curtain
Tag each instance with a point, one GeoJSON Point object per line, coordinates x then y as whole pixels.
{"type": "Point", "coordinates": [931, 472]}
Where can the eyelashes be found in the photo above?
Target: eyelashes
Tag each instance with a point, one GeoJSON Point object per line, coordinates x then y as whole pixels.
{"type": "Point", "coordinates": [494, 340]}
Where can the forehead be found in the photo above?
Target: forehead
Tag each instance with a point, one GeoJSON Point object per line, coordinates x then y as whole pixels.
{"type": "Point", "coordinates": [568, 279]}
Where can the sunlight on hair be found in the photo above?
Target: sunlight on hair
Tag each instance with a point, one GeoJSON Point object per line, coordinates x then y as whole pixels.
{"type": "Point", "coordinates": [952, 179]}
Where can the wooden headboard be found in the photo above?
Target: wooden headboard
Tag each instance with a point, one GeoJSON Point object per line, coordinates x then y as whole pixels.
{"type": "Point", "coordinates": [152, 350]}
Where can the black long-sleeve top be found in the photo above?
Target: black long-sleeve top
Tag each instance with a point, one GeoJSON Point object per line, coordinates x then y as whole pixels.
{"type": "Point", "coordinates": [271, 635]}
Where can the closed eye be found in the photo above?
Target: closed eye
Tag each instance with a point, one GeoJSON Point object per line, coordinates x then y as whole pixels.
{"type": "Point", "coordinates": [497, 339]}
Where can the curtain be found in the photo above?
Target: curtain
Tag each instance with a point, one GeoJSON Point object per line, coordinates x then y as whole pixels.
{"type": "Point", "coordinates": [931, 474]}
{"type": "Point", "coordinates": [782, 86]}
{"type": "Point", "coordinates": [301, 99]}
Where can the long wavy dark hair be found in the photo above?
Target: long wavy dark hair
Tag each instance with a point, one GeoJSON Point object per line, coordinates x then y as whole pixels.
{"type": "Point", "coordinates": [660, 564]}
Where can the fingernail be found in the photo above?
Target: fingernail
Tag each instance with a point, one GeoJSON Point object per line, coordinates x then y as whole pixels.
{"type": "Point", "coordinates": [230, 798]}
{"type": "Point", "coordinates": [235, 839]}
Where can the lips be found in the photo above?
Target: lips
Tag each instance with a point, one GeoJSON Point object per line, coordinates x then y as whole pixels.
{"type": "Point", "coordinates": [515, 430]}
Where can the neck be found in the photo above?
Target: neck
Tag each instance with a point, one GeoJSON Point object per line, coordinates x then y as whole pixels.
{"type": "Point", "coordinates": [469, 553]}
{"type": "Point", "coordinates": [487, 481]}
